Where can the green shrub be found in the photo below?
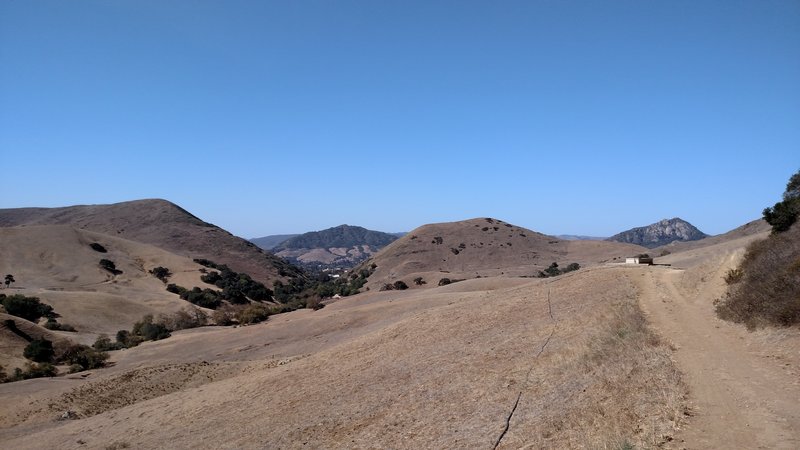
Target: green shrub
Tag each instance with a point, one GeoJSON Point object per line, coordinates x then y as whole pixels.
{"type": "Point", "coordinates": [97, 247]}
{"type": "Point", "coordinates": [109, 265]}
{"type": "Point", "coordinates": [175, 289]}
{"type": "Point", "coordinates": [103, 343]}
{"type": "Point", "coordinates": [29, 308]}
{"type": "Point", "coordinates": [162, 273]}
{"type": "Point", "coordinates": [39, 350]}
{"type": "Point", "coordinates": [553, 270]}
{"type": "Point", "coordinates": [252, 313]}
{"type": "Point", "coordinates": [206, 298]}
{"type": "Point", "coordinates": [33, 371]}
{"type": "Point", "coordinates": [444, 281]}
{"type": "Point", "coordinates": [148, 330]}
{"type": "Point", "coordinates": [400, 285]}
{"type": "Point", "coordinates": [52, 324]}
{"type": "Point", "coordinates": [419, 281]}
{"type": "Point", "coordinates": [127, 339]}
{"type": "Point", "coordinates": [84, 356]}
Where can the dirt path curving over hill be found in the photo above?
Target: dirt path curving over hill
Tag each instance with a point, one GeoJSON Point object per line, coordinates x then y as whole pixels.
{"type": "Point", "coordinates": [745, 386]}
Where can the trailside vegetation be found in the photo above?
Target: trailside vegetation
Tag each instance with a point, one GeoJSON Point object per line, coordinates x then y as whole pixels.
{"type": "Point", "coordinates": [765, 288]}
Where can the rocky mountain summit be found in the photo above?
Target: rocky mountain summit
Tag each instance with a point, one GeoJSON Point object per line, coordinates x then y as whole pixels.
{"type": "Point", "coordinates": [660, 233]}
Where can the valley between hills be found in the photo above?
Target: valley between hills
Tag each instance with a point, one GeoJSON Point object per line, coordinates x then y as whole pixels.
{"type": "Point", "coordinates": [512, 351]}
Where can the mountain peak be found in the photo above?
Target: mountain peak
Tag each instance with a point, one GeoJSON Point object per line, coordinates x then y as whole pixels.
{"type": "Point", "coordinates": [660, 233]}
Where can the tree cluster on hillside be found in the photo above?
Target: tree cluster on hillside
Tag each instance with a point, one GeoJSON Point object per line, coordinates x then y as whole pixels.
{"type": "Point", "coordinates": [28, 308]}
{"type": "Point", "coordinates": [784, 214]}
{"type": "Point", "coordinates": [162, 273]}
{"type": "Point", "coordinates": [43, 356]}
{"type": "Point", "coordinates": [236, 288]}
{"type": "Point", "coordinates": [553, 270]}
{"type": "Point", "coordinates": [765, 288]}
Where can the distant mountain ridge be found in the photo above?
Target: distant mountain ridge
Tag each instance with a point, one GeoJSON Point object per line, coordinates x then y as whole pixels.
{"type": "Point", "coordinates": [660, 233]}
{"type": "Point", "coordinates": [343, 246]}
{"type": "Point", "coordinates": [576, 237]}
{"type": "Point", "coordinates": [272, 241]}
{"type": "Point", "coordinates": [341, 236]}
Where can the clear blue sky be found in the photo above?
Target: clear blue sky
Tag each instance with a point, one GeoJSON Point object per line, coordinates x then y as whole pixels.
{"type": "Point", "coordinates": [581, 117]}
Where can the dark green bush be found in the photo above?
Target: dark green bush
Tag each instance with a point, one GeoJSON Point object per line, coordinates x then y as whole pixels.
{"type": "Point", "coordinates": [206, 298]}
{"type": "Point", "coordinates": [97, 247]}
{"type": "Point", "coordinates": [175, 289]}
{"type": "Point", "coordinates": [148, 330]}
{"type": "Point", "coordinates": [84, 356]}
{"type": "Point", "coordinates": [29, 308]}
{"type": "Point", "coordinates": [39, 350]}
{"type": "Point", "coordinates": [400, 285]}
{"type": "Point", "coordinates": [109, 265]}
{"type": "Point", "coordinates": [52, 324]}
{"type": "Point", "coordinates": [444, 281]}
{"type": "Point", "coordinates": [553, 270]}
{"type": "Point", "coordinates": [33, 371]}
{"type": "Point", "coordinates": [162, 273]}
{"type": "Point", "coordinates": [103, 343]}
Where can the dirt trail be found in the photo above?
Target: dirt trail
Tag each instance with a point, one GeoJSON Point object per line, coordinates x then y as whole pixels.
{"type": "Point", "coordinates": [745, 392]}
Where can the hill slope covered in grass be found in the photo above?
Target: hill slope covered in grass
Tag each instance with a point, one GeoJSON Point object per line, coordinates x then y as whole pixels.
{"type": "Point", "coordinates": [165, 225]}
{"type": "Point", "coordinates": [482, 247]}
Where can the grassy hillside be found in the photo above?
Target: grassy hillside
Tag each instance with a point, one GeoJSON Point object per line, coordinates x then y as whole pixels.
{"type": "Point", "coordinates": [165, 225]}
{"type": "Point", "coordinates": [483, 247]}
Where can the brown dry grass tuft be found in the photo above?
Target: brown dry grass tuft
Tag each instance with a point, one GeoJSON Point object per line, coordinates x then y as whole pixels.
{"type": "Point", "coordinates": [617, 387]}
{"type": "Point", "coordinates": [765, 289]}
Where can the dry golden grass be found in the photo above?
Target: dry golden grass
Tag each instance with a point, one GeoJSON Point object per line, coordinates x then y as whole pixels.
{"type": "Point", "coordinates": [439, 368]}
{"type": "Point", "coordinates": [483, 247]}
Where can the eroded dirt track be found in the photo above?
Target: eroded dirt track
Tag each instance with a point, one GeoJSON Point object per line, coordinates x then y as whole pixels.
{"type": "Point", "coordinates": [745, 386]}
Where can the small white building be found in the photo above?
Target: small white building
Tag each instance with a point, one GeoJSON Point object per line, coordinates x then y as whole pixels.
{"type": "Point", "coordinates": [639, 260]}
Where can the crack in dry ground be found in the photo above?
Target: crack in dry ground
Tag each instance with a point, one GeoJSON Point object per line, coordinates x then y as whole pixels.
{"type": "Point", "coordinates": [528, 376]}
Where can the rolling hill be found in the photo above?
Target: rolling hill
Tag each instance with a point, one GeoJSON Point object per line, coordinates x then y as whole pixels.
{"type": "Point", "coordinates": [483, 247]}
{"type": "Point", "coordinates": [57, 264]}
{"type": "Point", "coordinates": [165, 225]}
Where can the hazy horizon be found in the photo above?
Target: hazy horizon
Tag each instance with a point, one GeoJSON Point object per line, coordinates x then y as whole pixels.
{"type": "Point", "coordinates": [583, 118]}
